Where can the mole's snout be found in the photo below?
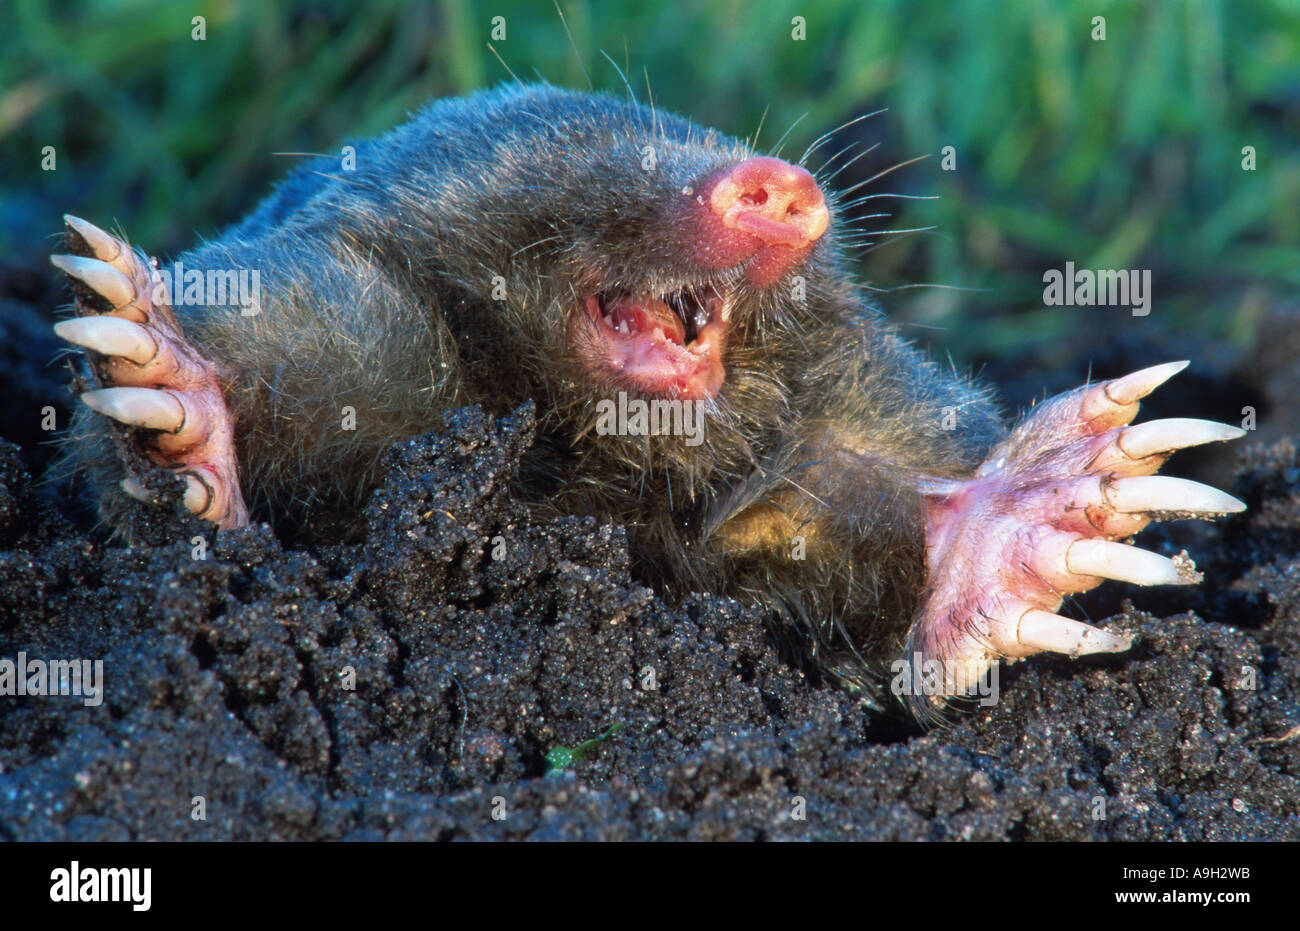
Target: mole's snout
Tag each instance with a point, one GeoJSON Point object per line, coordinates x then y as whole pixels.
{"type": "Point", "coordinates": [775, 201]}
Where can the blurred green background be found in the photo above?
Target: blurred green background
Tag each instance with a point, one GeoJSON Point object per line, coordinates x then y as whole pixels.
{"type": "Point", "coordinates": [1113, 154]}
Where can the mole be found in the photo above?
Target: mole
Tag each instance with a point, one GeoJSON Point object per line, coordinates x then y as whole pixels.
{"type": "Point", "coordinates": [704, 368]}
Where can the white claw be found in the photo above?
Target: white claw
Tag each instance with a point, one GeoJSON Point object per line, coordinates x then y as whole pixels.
{"type": "Point", "coordinates": [1162, 436]}
{"type": "Point", "coordinates": [139, 407]}
{"type": "Point", "coordinates": [1042, 630]}
{"type": "Point", "coordinates": [1126, 564]}
{"type": "Point", "coordinates": [137, 491]}
{"type": "Point", "coordinates": [198, 496]}
{"type": "Point", "coordinates": [106, 247]}
{"type": "Point", "coordinates": [197, 493]}
{"type": "Point", "coordinates": [111, 336]}
{"type": "Point", "coordinates": [99, 276]}
{"type": "Point", "coordinates": [1137, 385]}
{"type": "Point", "coordinates": [1140, 494]}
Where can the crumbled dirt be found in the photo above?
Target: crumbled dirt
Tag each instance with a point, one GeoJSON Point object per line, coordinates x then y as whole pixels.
{"type": "Point", "coordinates": [420, 684]}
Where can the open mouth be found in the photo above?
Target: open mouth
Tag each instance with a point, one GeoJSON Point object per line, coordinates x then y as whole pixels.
{"type": "Point", "coordinates": [667, 344]}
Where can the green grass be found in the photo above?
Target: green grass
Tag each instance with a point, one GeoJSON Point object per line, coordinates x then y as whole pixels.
{"type": "Point", "coordinates": [1122, 153]}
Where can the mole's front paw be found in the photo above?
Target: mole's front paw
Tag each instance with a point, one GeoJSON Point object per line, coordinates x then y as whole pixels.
{"type": "Point", "coordinates": [149, 378]}
{"type": "Point", "coordinates": [1041, 518]}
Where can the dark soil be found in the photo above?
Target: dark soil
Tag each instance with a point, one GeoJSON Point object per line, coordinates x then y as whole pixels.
{"type": "Point", "coordinates": [230, 677]}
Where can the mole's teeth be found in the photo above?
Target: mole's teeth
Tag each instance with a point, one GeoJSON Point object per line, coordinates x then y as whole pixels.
{"type": "Point", "coordinates": [107, 248]}
{"type": "Point", "coordinates": [100, 277]}
{"type": "Point", "coordinates": [110, 336]}
{"type": "Point", "coordinates": [1040, 631]}
{"type": "Point", "coordinates": [1162, 436]}
{"type": "Point", "coordinates": [1107, 560]}
{"type": "Point", "coordinates": [1160, 493]}
{"type": "Point", "coordinates": [138, 407]}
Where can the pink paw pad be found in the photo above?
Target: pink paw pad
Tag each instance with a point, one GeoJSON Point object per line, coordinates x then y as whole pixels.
{"type": "Point", "coordinates": [148, 376]}
{"type": "Point", "coordinates": [1043, 517]}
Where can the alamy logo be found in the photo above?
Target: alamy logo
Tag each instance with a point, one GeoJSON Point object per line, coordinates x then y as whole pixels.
{"type": "Point", "coordinates": [65, 677]}
{"type": "Point", "coordinates": [103, 884]}
{"type": "Point", "coordinates": [217, 287]}
{"type": "Point", "coordinates": [637, 417]}
{"type": "Point", "coordinates": [1105, 287]}
{"type": "Point", "coordinates": [933, 678]}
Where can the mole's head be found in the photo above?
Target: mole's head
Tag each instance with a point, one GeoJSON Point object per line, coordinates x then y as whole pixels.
{"type": "Point", "coordinates": [632, 249]}
{"type": "Point", "coordinates": [729, 233]}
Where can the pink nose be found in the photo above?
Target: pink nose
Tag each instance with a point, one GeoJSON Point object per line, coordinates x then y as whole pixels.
{"type": "Point", "coordinates": [773, 200]}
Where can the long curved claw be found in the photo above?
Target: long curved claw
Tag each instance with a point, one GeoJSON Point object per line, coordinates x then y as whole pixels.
{"type": "Point", "coordinates": [138, 407]}
{"type": "Point", "coordinates": [133, 487]}
{"type": "Point", "coordinates": [1105, 559]}
{"type": "Point", "coordinates": [1160, 494]}
{"type": "Point", "coordinates": [1163, 436]}
{"type": "Point", "coordinates": [110, 336]}
{"type": "Point", "coordinates": [1144, 447]}
{"type": "Point", "coordinates": [106, 247]}
{"type": "Point", "coordinates": [1137, 385]}
{"type": "Point", "coordinates": [1071, 562]}
{"type": "Point", "coordinates": [201, 497]}
{"type": "Point", "coordinates": [1115, 402]}
{"type": "Point", "coordinates": [102, 278]}
{"type": "Point", "coordinates": [1042, 631]}
{"type": "Point", "coordinates": [198, 495]}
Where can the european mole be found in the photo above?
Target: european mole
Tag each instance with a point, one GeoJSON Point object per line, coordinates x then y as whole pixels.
{"type": "Point", "coordinates": [616, 264]}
